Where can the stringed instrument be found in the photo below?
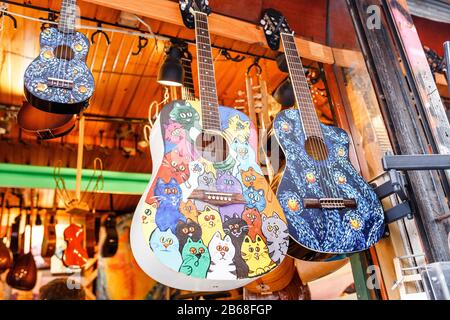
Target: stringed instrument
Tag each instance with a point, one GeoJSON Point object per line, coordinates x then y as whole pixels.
{"type": "Point", "coordinates": [75, 254]}
{"type": "Point", "coordinates": [49, 240]}
{"type": "Point", "coordinates": [23, 273]}
{"type": "Point", "coordinates": [331, 210]}
{"type": "Point", "coordinates": [111, 243]}
{"type": "Point", "coordinates": [5, 253]}
{"type": "Point", "coordinates": [197, 243]}
{"type": "Point", "coordinates": [15, 244]}
{"type": "Point", "coordinates": [59, 81]}
{"type": "Point", "coordinates": [44, 125]}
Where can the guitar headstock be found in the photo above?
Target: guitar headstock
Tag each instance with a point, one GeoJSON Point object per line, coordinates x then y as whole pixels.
{"type": "Point", "coordinates": [189, 7]}
{"type": "Point", "coordinates": [274, 24]}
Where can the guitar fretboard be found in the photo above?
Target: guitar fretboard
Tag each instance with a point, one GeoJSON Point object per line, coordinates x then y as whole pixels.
{"type": "Point", "coordinates": [310, 120]}
{"type": "Point", "coordinates": [68, 16]}
{"type": "Point", "coordinates": [207, 81]}
{"type": "Point", "coordinates": [188, 91]}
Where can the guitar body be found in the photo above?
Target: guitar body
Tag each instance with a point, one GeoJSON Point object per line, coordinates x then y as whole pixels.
{"type": "Point", "coordinates": [323, 233]}
{"type": "Point", "coordinates": [111, 243]}
{"type": "Point", "coordinates": [59, 80]}
{"type": "Point", "coordinates": [49, 240]}
{"type": "Point", "coordinates": [203, 225]}
{"type": "Point", "coordinates": [75, 254]}
{"type": "Point", "coordinates": [23, 273]}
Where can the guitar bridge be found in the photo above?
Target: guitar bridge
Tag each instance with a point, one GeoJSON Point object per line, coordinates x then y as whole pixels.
{"type": "Point", "coordinates": [217, 198]}
{"type": "Point", "coordinates": [60, 83]}
{"type": "Point", "coordinates": [329, 203]}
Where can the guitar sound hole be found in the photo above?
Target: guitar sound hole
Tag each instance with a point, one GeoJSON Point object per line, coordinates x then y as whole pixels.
{"type": "Point", "coordinates": [64, 52]}
{"type": "Point", "coordinates": [316, 148]}
{"type": "Point", "coordinates": [212, 146]}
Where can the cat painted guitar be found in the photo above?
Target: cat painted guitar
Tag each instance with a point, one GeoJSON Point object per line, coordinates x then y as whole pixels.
{"type": "Point", "coordinates": [198, 226]}
{"type": "Point", "coordinates": [331, 210]}
{"type": "Point", "coordinates": [59, 80]}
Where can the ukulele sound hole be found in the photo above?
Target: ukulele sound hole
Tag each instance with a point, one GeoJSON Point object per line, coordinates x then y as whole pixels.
{"type": "Point", "coordinates": [212, 146]}
{"type": "Point", "coordinates": [316, 148]}
{"type": "Point", "coordinates": [64, 52]}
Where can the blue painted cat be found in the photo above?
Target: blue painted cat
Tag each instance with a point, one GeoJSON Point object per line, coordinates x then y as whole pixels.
{"type": "Point", "coordinates": [196, 259]}
{"type": "Point", "coordinates": [165, 245]}
{"type": "Point", "coordinates": [245, 156]}
{"type": "Point", "coordinates": [255, 199]}
{"type": "Point", "coordinates": [169, 197]}
{"type": "Point", "coordinates": [329, 230]}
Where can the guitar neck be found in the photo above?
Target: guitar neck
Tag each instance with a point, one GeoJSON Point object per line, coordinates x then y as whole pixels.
{"type": "Point", "coordinates": [207, 81]}
{"type": "Point", "coordinates": [310, 120]}
{"type": "Point", "coordinates": [68, 16]}
{"type": "Point", "coordinates": [188, 91]}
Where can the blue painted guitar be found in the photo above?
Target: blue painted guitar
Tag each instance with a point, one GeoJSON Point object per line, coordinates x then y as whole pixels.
{"type": "Point", "coordinates": [208, 219]}
{"type": "Point", "coordinates": [59, 80]}
{"type": "Point", "coordinates": [331, 210]}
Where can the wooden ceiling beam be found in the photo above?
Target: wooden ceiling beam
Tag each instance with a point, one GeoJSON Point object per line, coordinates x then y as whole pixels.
{"type": "Point", "coordinates": [168, 11]}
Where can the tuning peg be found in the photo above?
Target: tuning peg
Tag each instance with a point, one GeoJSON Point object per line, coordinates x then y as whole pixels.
{"type": "Point", "coordinates": [263, 22]}
{"type": "Point", "coordinates": [240, 93]}
{"type": "Point", "coordinates": [256, 87]}
{"type": "Point", "coordinates": [257, 96]}
{"type": "Point", "coordinates": [268, 32]}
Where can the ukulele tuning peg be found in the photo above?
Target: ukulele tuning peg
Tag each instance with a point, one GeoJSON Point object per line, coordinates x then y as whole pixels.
{"type": "Point", "coordinates": [268, 32]}
{"type": "Point", "coordinates": [263, 22]}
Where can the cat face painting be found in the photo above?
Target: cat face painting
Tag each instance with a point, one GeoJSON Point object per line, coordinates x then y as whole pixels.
{"type": "Point", "coordinates": [165, 245]}
{"type": "Point", "coordinates": [189, 210]}
{"type": "Point", "coordinates": [194, 228]}
{"type": "Point", "coordinates": [186, 230]}
{"type": "Point", "coordinates": [175, 167]}
{"type": "Point", "coordinates": [256, 255]}
{"type": "Point", "coordinates": [175, 133]}
{"type": "Point", "coordinates": [255, 198]}
{"type": "Point", "coordinates": [210, 222]}
{"type": "Point", "coordinates": [222, 253]}
{"type": "Point", "coordinates": [196, 259]}
{"type": "Point", "coordinates": [238, 129]}
{"type": "Point", "coordinates": [228, 183]}
{"type": "Point", "coordinates": [185, 115]}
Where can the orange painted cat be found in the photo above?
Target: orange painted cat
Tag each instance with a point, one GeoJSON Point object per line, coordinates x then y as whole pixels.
{"type": "Point", "coordinates": [189, 210]}
{"type": "Point", "coordinates": [251, 178]}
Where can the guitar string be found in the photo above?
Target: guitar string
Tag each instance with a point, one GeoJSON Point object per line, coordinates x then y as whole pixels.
{"type": "Point", "coordinates": [316, 124]}
{"type": "Point", "coordinates": [304, 116]}
{"type": "Point", "coordinates": [207, 88]}
{"type": "Point", "coordinates": [323, 153]}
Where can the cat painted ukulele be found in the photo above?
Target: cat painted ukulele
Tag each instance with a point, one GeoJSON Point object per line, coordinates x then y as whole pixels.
{"type": "Point", "coordinates": [208, 220]}
{"type": "Point", "coordinates": [331, 210]}
{"type": "Point", "coordinates": [59, 80]}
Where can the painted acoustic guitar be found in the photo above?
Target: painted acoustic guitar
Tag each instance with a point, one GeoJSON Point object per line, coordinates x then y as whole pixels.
{"type": "Point", "coordinates": [59, 80]}
{"type": "Point", "coordinates": [331, 210]}
{"type": "Point", "coordinates": [208, 220]}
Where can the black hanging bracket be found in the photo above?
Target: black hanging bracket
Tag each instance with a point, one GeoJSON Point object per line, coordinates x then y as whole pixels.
{"type": "Point", "coordinates": [98, 32]}
{"type": "Point", "coordinates": [143, 42]}
{"type": "Point", "coordinates": [6, 14]}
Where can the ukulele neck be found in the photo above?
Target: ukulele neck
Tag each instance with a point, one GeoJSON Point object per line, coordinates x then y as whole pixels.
{"type": "Point", "coordinates": [68, 16]}
{"type": "Point", "coordinates": [207, 81]}
{"type": "Point", "coordinates": [305, 104]}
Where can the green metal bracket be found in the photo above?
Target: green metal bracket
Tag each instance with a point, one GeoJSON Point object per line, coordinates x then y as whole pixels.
{"type": "Point", "coordinates": [359, 275]}
{"type": "Point", "coordinates": [39, 177]}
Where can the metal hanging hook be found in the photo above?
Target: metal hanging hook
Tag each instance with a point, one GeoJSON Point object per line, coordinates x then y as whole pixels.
{"type": "Point", "coordinates": [143, 42]}
{"type": "Point", "coordinates": [99, 32]}
{"type": "Point", "coordinates": [6, 14]}
{"type": "Point", "coordinates": [256, 65]}
{"type": "Point", "coordinates": [227, 55]}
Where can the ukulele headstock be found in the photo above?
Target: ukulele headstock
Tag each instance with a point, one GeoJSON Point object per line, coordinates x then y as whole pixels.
{"type": "Point", "coordinates": [189, 7]}
{"type": "Point", "coordinates": [274, 24]}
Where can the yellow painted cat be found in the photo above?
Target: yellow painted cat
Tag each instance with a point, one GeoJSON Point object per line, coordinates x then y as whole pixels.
{"type": "Point", "coordinates": [238, 129]}
{"type": "Point", "coordinates": [256, 256]}
{"type": "Point", "coordinates": [210, 221]}
{"type": "Point", "coordinates": [251, 178]}
{"type": "Point", "coordinates": [189, 210]}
